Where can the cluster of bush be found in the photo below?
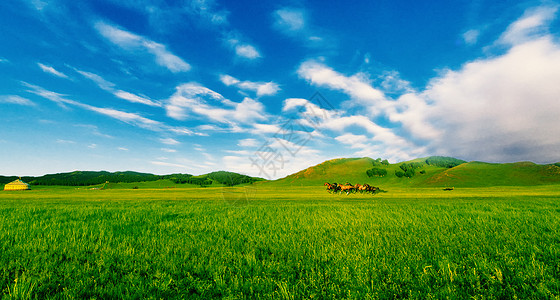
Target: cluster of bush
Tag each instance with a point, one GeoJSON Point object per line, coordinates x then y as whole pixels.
{"type": "Point", "coordinates": [190, 179]}
{"type": "Point", "coordinates": [230, 178]}
{"type": "Point", "coordinates": [379, 162]}
{"type": "Point", "coordinates": [406, 169]}
{"type": "Point", "coordinates": [221, 177]}
{"type": "Point", "coordinates": [444, 162]}
{"type": "Point", "coordinates": [409, 169]}
{"type": "Point", "coordinates": [376, 172]}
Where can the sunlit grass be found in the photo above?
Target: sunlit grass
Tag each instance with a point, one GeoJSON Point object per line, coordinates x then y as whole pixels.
{"type": "Point", "coordinates": [292, 243]}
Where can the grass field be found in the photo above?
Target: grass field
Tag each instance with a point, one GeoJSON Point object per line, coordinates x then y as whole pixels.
{"type": "Point", "coordinates": [290, 243]}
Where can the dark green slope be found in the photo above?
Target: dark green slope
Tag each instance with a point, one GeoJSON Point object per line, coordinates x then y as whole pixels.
{"type": "Point", "coordinates": [90, 178]}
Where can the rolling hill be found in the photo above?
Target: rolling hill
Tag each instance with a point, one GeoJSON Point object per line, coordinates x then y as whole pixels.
{"type": "Point", "coordinates": [434, 171]}
{"type": "Point", "coordinates": [91, 178]}
{"type": "Point", "coordinates": [426, 172]}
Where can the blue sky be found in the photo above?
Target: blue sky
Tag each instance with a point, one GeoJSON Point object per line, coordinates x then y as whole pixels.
{"type": "Point", "coordinates": [268, 88]}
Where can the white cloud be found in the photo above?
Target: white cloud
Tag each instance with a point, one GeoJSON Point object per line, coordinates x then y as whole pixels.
{"type": "Point", "coordinates": [100, 81]}
{"type": "Point", "coordinates": [260, 88]}
{"type": "Point", "coordinates": [122, 149]}
{"type": "Point", "coordinates": [168, 150]}
{"type": "Point", "coordinates": [126, 117]}
{"type": "Point", "coordinates": [353, 140]}
{"type": "Point", "coordinates": [110, 87]}
{"type": "Point", "coordinates": [169, 141]}
{"type": "Point", "coordinates": [393, 83]}
{"type": "Point", "coordinates": [247, 51]}
{"type": "Point", "coordinates": [67, 142]}
{"type": "Point", "coordinates": [135, 98]}
{"type": "Point", "coordinates": [533, 23]}
{"type": "Point", "coordinates": [51, 70]}
{"type": "Point", "coordinates": [274, 161]}
{"type": "Point", "coordinates": [133, 43]}
{"type": "Point", "coordinates": [471, 36]}
{"type": "Point", "coordinates": [15, 99]}
{"type": "Point", "coordinates": [265, 129]}
{"type": "Point", "coordinates": [206, 10]}
{"type": "Point", "coordinates": [194, 99]}
{"type": "Point", "coordinates": [294, 22]}
{"type": "Point", "coordinates": [248, 143]}
{"type": "Point", "coordinates": [289, 19]}
{"type": "Point", "coordinates": [92, 146]}
{"type": "Point", "coordinates": [356, 86]}
{"type": "Point", "coordinates": [94, 130]}
{"type": "Point", "coordinates": [499, 109]}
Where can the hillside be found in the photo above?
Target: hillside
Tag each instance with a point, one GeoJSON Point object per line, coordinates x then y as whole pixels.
{"type": "Point", "coordinates": [425, 172]}
{"type": "Point", "coordinates": [431, 171]}
{"type": "Point", "coordinates": [480, 174]}
{"type": "Point", "coordinates": [90, 178]}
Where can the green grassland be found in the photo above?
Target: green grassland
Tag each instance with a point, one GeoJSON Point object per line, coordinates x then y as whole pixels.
{"type": "Point", "coordinates": [282, 240]}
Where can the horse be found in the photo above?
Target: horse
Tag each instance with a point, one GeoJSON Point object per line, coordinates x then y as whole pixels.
{"type": "Point", "coordinates": [348, 188]}
{"type": "Point", "coordinates": [332, 188]}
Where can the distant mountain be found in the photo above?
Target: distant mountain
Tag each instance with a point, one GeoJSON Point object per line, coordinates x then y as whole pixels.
{"type": "Point", "coordinates": [434, 171]}
{"type": "Point", "coordinates": [87, 178]}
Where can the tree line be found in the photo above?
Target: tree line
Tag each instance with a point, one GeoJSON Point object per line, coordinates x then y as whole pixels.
{"type": "Point", "coordinates": [87, 178]}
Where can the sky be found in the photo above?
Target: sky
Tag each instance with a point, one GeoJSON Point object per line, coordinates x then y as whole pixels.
{"type": "Point", "coordinates": [268, 88]}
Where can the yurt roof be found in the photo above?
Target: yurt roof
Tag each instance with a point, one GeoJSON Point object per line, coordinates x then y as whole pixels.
{"type": "Point", "coordinates": [18, 182]}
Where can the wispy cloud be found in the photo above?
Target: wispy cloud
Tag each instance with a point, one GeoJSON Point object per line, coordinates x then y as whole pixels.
{"type": "Point", "coordinates": [67, 142]}
{"type": "Point", "coordinates": [289, 19]}
{"type": "Point", "coordinates": [110, 87]}
{"type": "Point", "coordinates": [207, 10]}
{"type": "Point", "coordinates": [132, 43]}
{"type": "Point", "coordinates": [94, 130]}
{"type": "Point", "coordinates": [195, 99]}
{"type": "Point", "coordinates": [248, 143]}
{"type": "Point", "coordinates": [169, 141]}
{"type": "Point", "coordinates": [356, 86]}
{"type": "Point", "coordinates": [471, 36]}
{"type": "Point", "coordinates": [135, 98]}
{"type": "Point", "coordinates": [167, 164]}
{"type": "Point", "coordinates": [100, 81]}
{"type": "Point", "coordinates": [51, 70]}
{"type": "Point", "coordinates": [122, 149]}
{"type": "Point", "coordinates": [535, 22]}
{"type": "Point", "coordinates": [15, 99]}
{"type": "Point", "coordinates": [243, 50]}
{"type": "Point", "coordinates": [126, 117]}
{"type": "Point", "coordinates": [293, 22]}
{"type": "Point", "coordinates": [260, 88]}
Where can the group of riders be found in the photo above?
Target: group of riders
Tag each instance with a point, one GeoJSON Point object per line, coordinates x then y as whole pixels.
{"type": "Point", "coordinates": [348, 188]}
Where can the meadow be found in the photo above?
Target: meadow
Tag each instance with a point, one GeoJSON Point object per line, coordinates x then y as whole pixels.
{"type": "Point", "coordinates": [262, 241]}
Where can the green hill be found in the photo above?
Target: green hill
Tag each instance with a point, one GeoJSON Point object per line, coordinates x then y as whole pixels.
{"type": "Point", "coordinates": [480, 174]}
{"type": "Point", "coordinates": [435, 171]}
{"type": "Point", "coordinates": [129, 178]}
